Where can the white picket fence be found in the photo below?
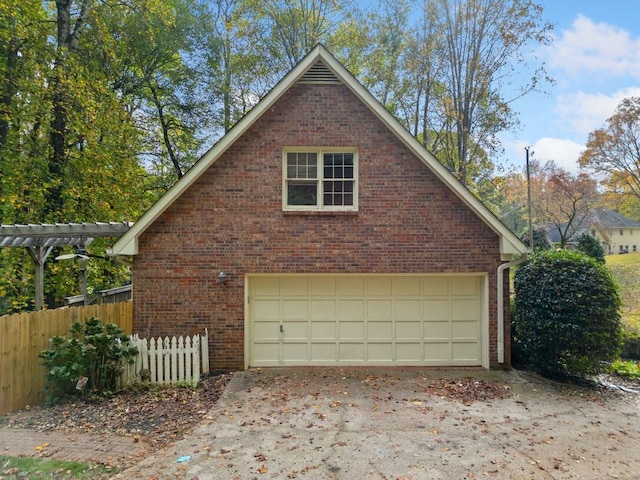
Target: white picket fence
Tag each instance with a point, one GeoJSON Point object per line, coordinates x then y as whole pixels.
{"type": "Point", "coordinates": [168, 361]}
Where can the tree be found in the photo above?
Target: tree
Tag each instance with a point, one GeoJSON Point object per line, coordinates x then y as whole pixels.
{"type": "Point", "coordinates": [389, 39]}
{"type": "Point", "coordinates": [614, 151]}
{"type": "Point", "coordinates": [483, 49]}
{"type": "Point", "coordinates": [71, 138]}
{"type": "Point", "coordinates": [591, 247]}
{"type": "Point", "coordinates": [157, 43]}
{"type": "Point", "coordinates": [70, 26]}
{"type": "Point", "coordinates": [561, 199]}
{"type": "Point", "coordinates": [291, 28]}
{"type": "Point", "coordinates": [567, 313]}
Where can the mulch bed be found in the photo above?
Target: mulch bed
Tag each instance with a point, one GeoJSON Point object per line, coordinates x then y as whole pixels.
{"type": "Point", "coordinates": [156, 415]}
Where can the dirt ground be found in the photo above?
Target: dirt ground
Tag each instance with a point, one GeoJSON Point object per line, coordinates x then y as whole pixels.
{"type": "Point", "coordinates": [347, 423]}
{"type": "Point", "coordinates": [328, 423]}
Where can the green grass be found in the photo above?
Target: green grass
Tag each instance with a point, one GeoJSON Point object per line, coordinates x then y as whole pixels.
{"type": "Point", "coordinates": [626, 271]}
{"type": "Point", "coordinates": [626, 259]}
{"type": "Point", "coordinates": [626, 369]}
{"type": "Point", "coordinates": [40, 469]}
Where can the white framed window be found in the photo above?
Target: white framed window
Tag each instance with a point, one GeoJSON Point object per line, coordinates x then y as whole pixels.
{"type": "Point", "coordinates": [320, 179]}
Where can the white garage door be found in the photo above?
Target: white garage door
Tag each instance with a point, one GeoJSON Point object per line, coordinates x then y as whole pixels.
{"type": "Point", "coordinates": [372, 320]}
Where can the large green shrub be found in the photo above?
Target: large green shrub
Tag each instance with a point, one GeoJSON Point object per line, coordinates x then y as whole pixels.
{"type": "Point", "coordinates": [590, 246]}
{"type": "Point", "coordinates": [90, 361]}
{"type": "Point", "coordinates": [567, 313]}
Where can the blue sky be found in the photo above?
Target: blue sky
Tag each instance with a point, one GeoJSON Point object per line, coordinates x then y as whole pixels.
{"type": "Point", "coordinates": [595, 61]}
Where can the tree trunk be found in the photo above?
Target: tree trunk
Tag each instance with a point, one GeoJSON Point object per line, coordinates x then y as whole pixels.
{"type": "Point", "coordinates": [9, 86]}
{"type": "Point", "coordinates": [67, 41]}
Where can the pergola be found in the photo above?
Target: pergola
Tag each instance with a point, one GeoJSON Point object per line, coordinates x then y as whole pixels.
{"type": "Point", "coordinates": [40, 239]}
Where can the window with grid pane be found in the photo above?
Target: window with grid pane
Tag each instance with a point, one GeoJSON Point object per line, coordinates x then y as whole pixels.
{"type": "Point", "coordinates": [302, 178]}
{"type": "Point", "coordinates": [338, 179]}
{"type": "Point", "coordinates": [320, 180]}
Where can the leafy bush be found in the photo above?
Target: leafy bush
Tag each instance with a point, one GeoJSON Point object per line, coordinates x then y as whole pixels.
{"type": "Point", "coordinates": [90, 361]}
{"type": "Point", "coordinates": [567, 313]}
{"type": "Point", "coordinates": [591, 247]}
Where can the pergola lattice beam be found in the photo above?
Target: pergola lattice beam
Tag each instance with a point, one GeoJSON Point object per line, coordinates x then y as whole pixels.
{"type": "Point", "coordinates": [59, 234]}
{"type": "Point", "coordinates": [39, 239]}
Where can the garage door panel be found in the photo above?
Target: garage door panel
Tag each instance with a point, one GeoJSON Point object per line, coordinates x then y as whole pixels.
{"type": "Point", "coordinates": [464, 330]}
{"type": "Point", "coordinates": [351, 352]}
{"type": "Point", "coordinates": [295, 286]}
{"type": "Point", "coordinates": [409, 352]}
{"type": "Point", "coordinates": [465, 351]}
{"type": "Point", "coordinates": [266, 331]}
{"type": "Point", "coordinates": [465, 286]}
{"type": "Point", "coordinates": [380, 352]}
{"type": "Point", "coordinates": [351, 309]}
{"type": "Point", "coordinates": [323, 287]}
{"type": "Point", "coordinates": [379, 287]}
{"type": "Point", "coordinates": [265, 286]}
{"type": "Point", "coordinates": [354, 320]}
{"type": "Point", "coordinates": [267, 351]}
{"type": "Point", "coordinates": [295, 309]}
{"type": "Point", "coordinates": [351, 286]}
{"type": "Point", "coordinates": [268, 309]}
{"type": "Point", "coordinates": [437, 330]}
{"type": "Point", "coordinates": [326, 330]}
{"type": "Point", "coordinates": [408, 309]}
{"type": "Point", "coordinates": [296, 330]}
{"type": "Point", "coordinates": [435, 286]}
{"type": "Point", "coordinates": [380, 330]}
{"type": "Point", "coordinates": [324, 309]}
{"type": "Point", "coordinates": [435, 309]}
{"type": "Point", "coordinates": [408, 330]}
{"type": "Point", "coordinates": [467, 309]}
{"type": "Point", "coordinates": [377, 309]}
{"type": "Point", "coordinates": [324, 352]}
{"type": "Point", "coordinates": [437, 353]}
{"type": "Point", "coordinates": [406, 286]}
{"type": "Point", "coordinates": [352, 330]}
{"type": "Point", "coordinates": [295, 352]}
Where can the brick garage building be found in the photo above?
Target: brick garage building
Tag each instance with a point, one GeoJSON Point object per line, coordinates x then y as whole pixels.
{"type": "Point", "coordinates": [342, 241]}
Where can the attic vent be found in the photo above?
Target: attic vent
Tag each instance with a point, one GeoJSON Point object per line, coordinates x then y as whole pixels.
{"type": "Point", "coordinates": [319, 73]}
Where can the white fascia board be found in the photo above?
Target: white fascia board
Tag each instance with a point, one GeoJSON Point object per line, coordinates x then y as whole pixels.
{"type": "Point", "coordinates": [128, 243]}
{"type": "Point", "coordinates": [509, 243]}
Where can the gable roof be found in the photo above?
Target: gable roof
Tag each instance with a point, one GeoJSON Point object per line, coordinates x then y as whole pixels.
{"type": "Point", "coordinates": [319, 66]}
{"type": "Point", "coordinates": [611, 219]}
{"type": "Point", "coordinates": [601, 219]}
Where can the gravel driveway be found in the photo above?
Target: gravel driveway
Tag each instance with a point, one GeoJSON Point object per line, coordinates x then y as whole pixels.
{"type": "Point", "coordinates": [357, 423]}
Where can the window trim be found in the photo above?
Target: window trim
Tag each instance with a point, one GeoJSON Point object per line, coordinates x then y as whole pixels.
{"type": "Point", "coordinates": [319, 206]}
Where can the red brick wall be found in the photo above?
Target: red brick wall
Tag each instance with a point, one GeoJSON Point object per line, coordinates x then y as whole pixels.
{"type": "Point", "coordinates": [231, 219]}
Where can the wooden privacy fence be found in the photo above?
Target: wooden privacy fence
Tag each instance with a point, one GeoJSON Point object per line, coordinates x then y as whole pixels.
{"type": "Point", "coordinates": [24, 335]}
{"type": "Point", "coordinates": [168, 361]}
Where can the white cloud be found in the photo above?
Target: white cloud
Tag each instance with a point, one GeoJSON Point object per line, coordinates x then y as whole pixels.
{"type": "Point", "coordinates": [563, 152]}
{"type": "Point", "coordinates": [585, 112]}
{"type": "Point", "coordinates": [588, 47]}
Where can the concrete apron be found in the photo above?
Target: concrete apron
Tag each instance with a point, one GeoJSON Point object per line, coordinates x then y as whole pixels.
{"type": "Point", "coordinates": [380, 423]}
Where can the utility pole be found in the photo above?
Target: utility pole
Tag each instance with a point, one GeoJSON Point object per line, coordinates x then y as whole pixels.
{"type": "Point", "coordinates": [526, 149]}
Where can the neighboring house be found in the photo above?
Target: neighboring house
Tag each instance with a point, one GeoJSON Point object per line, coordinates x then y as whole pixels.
{"type": "Point", "coordinates": [623, 233]}
{"type": "Point", "coordinates": [318, 231]}
{"type": "Point", "coordinates": [615, 232]}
